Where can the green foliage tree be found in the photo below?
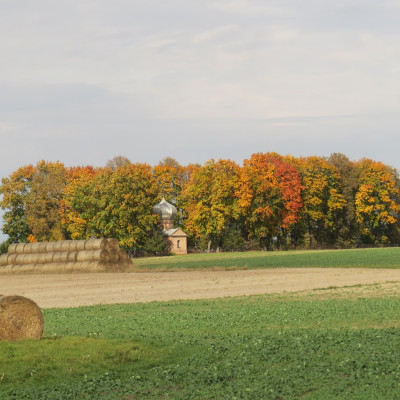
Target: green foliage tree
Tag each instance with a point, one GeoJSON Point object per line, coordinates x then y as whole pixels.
{"type": "Point", "coordinates": [346, 223]}
{"type": "Point", "coordinates": [119, 203]}
{"type": "Point", "coordinates": [210, 200]}
{"type": "Point", "coordinates": [15, 190]}
{"type": "Point", "coordinates": [156, 244]}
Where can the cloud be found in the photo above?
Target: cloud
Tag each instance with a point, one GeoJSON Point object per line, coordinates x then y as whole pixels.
{"type": "Point", "coordinates": [86, 80]}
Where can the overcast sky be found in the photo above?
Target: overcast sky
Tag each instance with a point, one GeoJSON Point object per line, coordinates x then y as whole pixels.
{"type": "Point", "coordinates": [84, 81]}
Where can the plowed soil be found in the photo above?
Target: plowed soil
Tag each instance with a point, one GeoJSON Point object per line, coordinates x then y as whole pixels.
{"type": "Point", "coordinates": [73, 290]}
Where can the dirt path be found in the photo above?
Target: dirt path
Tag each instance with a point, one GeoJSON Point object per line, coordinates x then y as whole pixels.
{"type": "Point", "coordinates": [73, 290]}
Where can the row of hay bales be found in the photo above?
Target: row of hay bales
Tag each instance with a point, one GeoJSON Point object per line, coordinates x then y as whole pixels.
{"type": "Point", "coordinates": [65, 256]}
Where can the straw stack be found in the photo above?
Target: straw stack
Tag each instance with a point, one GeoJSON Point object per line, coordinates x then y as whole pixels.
{"type": "Point", "coordinates": [20, 318]}
{"type": "Point", "coordinates": [93, 255]}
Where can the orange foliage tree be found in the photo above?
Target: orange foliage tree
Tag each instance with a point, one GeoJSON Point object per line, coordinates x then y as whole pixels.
{"type": "Point", "coordinates": [269, 196]}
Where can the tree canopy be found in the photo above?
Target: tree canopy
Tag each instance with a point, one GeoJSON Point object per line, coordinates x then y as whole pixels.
{"type": "Point", "coordinates": [272, 200]}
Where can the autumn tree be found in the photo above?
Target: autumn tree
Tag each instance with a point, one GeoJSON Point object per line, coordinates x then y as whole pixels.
{"type": "Point", "coordinates": [117, 161]}
{"type": "Point", "coordinates": [43, 201]}
{"type": "Point", "coordinates": [269, 196]}
{"type": "Point", "coordinates": [119, 203]}
{"type": "Point", "coordinates": [346, 223]}
{"type": "Point", "coordinates": [210, 201]}
{"type": "Point", "coordinates": [171, 178]}
{"type": "Point", "coordinates": [377, 203]}
{"type": "Point", "coordinates": [168, 175]}
{"type": "Point", "coordinates": [323, 199]}
{"type": "Point", "coordinates": [72, 222]}
{"type": "Point", "coordinates": [15, 190]}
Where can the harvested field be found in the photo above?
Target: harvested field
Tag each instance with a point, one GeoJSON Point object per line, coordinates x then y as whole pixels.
{"type": "Point", "coordinates": [73, 290]}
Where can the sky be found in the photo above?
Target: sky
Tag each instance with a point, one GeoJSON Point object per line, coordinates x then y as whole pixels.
{"type": "Point", "coordinates": [83, 81]}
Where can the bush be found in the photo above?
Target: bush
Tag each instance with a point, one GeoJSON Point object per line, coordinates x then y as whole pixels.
{"type": "Point", "coordinates": [232, 240]}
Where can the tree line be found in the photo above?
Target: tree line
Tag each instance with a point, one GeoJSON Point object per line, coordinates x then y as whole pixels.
{"type": "Point", "coordinates": [269, 202]}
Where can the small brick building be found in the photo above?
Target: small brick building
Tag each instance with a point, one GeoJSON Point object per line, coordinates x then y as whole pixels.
{"type": "Point", "coordinates": [175, 236]}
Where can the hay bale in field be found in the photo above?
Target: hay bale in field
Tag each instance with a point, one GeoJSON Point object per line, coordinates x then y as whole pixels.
{"type": "Point", "coordinates": [11, 258]}
{"type": "Point", "coordinates": [57, 246]}
{"type": "Point", "coordinates": [80, 245]}
{"type": "Point", "coordinates": [19, 248]}
{"type": "Point", "coordinates": [114, 255]}
{"type": "Point", "coordinates": [96, 244]}
{"type": "Point", "coordinates": [50, 247]}
{"type": "Point", "coordinates": [113, 244]}
{"type": "Point", "coordinates": [70, 255]}
{"type": "Point", "coordinates": [93, 255]}
{"type": "Point", "coordinates": [48, 257]}
{"type": "Point", "coordinates": [61, 256]}
{"type": "Point", "coordinates": [35, 248]}
{"type": "Point", "coordinates": [20, 318]}
{"type": "Point", "coordinates": [42, 247]}
{"type": "Point", "coordinates": [3, 259]}
{"type": "Point", "coordinates": [65, 244]}
{"type": "Point", "coordinates": [11, 248]}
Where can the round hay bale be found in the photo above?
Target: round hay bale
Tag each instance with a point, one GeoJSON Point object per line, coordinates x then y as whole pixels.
{"type": "Point", "coordinates": [35, 248]}
{"type": "Point", "coordinates": [24, 267]}
{"type": "Point", "coordinates": [19, 259]}
{"type": "Point", "coordinates": [50, 247]}
{"type": "Point", "coordinates": [96, 244]}
{"type": "Point", "coordinates": [114, 255]}
{"type": "Point", "coordinates": [4, 259]}
{"type": "Point", "coordinates": [11, 258]}
{"type": "Point", "coordinates": [53, 267]}
{"type": "Point", "coordinates": [80, 245]}
{"type": "Point", "coordinates": [42, 258]}
{"type": "Point", "coordinates": [61, 256]}
{"type": "Point", "coordinates": [11, 248]}
{"type": "Point", "coordinates": [69, 266]}
{"type": "Point", "coordinates": [27, 248]}
{"type": "Point", "coordinates": [97, 266]}
{"type": "Point", "coordinates": [113, 244]}
{"type": "Point", "coordinates": [20, 318]}
{"type": "Point", "coordinates": [72, 245]}
{"type": "Point", "coordinates": [93, 255]}
{"type": "Point", "coordinates": [65, 245]}
{"type": "Point", "coordinates": [64, 256]}
{"type": "Point", "coordinates": [123, 255]}
{"type": "Point", "coordinates": [42, 247]}
{"type": "Point", "coordinates": [19, 248]}
{"type": "Point", "coordinates": [48, 257]}
{"type": "Point", "coordinates": [72, 256]}
{"type": "Point", "coordinates": [57, 245]}
{"type": "Point", "coordinates": [27, 258]}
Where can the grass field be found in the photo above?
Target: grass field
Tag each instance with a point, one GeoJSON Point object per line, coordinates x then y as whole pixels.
{"type": "Point", "coordinates": [360, 258]}
{"type": "Point", "coordinates": [322, 345]}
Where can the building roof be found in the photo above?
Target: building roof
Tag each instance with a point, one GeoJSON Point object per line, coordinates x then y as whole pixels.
{"type": "Point", "coordinates": [165, 210]}
{"type": "Point", "coordinates": [175, 232]}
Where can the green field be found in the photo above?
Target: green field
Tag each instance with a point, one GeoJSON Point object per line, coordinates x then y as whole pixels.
{"type": "Point", "coordinates": [360, 258]}
{"type": "Point", "coordinates": [323, 345]}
